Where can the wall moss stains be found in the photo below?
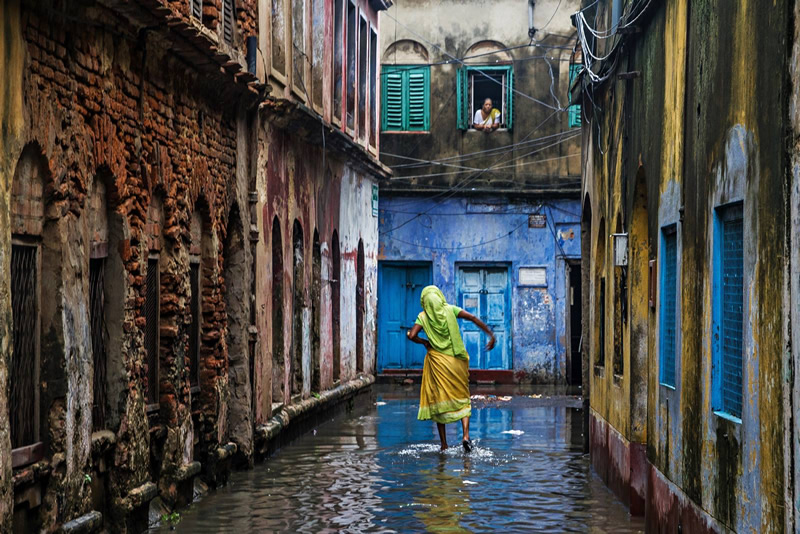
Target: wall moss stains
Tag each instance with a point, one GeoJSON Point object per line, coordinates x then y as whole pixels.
{"type": "Point", "coordinates": [706, 126]}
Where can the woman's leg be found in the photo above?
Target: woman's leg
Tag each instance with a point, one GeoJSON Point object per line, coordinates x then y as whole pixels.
{"type": "Point", "coordinates": [442, 434]}
{"type": "Point", "coordinates": [465, 427]}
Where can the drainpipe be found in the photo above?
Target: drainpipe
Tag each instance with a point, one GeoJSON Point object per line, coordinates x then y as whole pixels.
{"type": "Point", "coordinates": [531, 29]}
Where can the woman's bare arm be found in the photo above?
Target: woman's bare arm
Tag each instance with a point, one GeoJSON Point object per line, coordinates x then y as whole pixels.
{"type": "Point", "coordinates": [413, 335]}
{"type": "Point", "coordinates": [464, 314]}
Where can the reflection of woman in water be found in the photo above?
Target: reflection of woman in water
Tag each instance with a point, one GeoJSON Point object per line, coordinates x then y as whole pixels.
{"type": "Point", "coordinates": [444, 396]}
{"type": "Point", "coordinates": [444, 502]}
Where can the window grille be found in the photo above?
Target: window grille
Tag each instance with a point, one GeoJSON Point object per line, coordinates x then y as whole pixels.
{"type": "Point", "coordinates": [574, 109]}
{"type": "Point", "coordinates": [228, 20]}
{"type": "Point", "coordinates": [98, 329]}
{"type": "Point", "coordinates": [732, 308]}
{"type": "Point", "coordinates": [338, 57]}
{"type": "Point", "coordinates": [197, 9]}
{"type": "Point", "coordinates": [669, 297]}
{"type": "Point", "coordinates": [406, 98]}
{"type": "Point", "coordinates": [194, 334]}
{"type": "Point", "coordinates": [24, 376]}
{"type": "Point", "coordinates": [152, 297]}
{"type": "Point", "coordinates": [492, 81]}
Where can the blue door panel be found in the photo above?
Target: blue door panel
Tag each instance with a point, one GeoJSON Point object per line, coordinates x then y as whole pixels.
{"type": "Point", "coordinates": [399, 290]}
{"type": "Point", "coordinates": [484, 292]}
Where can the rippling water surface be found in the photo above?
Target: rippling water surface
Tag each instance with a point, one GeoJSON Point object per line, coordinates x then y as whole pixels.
{"type": "Point", "coordinates": [381, 470]}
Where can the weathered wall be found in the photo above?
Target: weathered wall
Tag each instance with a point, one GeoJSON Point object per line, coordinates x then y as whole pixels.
{"type": "Point", "coordinates": [446, 30]}
{"type": "Point", "coordinates": [690, 94]}
{"type": "Point", "coordinates": [12, 117]}
{"type": "Point", "coordinates": [447, 233]}
{"type": "Point", "coordinates": [338, 199]}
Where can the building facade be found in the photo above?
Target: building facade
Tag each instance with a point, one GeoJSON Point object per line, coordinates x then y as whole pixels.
{"type": "Point", "coordinates": [689, 227]}
{"type": "Point", "coordinates": [189, 249]}
{"type": "Point", "coordinates": [491, 218]}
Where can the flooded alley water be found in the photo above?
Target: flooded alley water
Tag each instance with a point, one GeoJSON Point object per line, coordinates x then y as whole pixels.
{"type": "Point", "coordinates": [378, 469]}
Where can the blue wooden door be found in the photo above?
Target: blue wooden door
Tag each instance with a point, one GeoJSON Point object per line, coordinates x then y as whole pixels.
{"type": "Point", "coordinates": [484, 292]}
{"type": "Point", "coordinates": [399, 290]}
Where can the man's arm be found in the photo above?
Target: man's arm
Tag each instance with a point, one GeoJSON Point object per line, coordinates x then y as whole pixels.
{"type": "Point", "coordinates": [464, 314]}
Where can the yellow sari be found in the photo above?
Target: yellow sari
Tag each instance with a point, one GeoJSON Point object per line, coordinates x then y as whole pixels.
{"type": "Point", "coordinates": [444, 396]}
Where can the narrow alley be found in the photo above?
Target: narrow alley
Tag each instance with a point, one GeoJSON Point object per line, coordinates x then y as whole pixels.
{"type": "Point", "coordinates": [378, 470]}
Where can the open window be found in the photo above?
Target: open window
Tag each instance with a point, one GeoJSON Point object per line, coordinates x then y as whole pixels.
{"type": "Point", "coordinates": [476, 84]}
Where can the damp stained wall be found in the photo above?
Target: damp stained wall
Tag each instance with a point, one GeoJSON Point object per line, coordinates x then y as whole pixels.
{"type": "Point", "coordinates": [700, 130]}
{"type": "Point", "coordinates": [447, 234]}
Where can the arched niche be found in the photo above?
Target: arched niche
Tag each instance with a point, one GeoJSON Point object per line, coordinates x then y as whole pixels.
{"type": "Point", "coordinates": [487, 53]}
{"type": "Point", "coordinates": [406, 52]}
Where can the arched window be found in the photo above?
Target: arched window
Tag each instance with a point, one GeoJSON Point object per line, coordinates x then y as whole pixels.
{"type": "Point", "coordinates": [335, 280]}
{"type": "Point", "coordinates": [277, 313]}
{"type": "Point", "coordinates": [27, 295]}
{"type": "Point", "coordinates": [600, 294]}
{"type": "Point", "coordinates": [152, 296]}
{"type": "Point", "coordinates": [360, 307]}
{"type": "Point", "coordinates": [298, 305]}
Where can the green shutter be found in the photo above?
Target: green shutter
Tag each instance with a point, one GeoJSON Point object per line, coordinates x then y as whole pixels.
{"type": "Point", "coordinates": [418, 96]}
{"type": "Point", "coordinates": [509, 118]}
{"type": "Point", "coordinates": [574, 109]}
{"type": "Point", "coordinates": [392, 105]}
{"type": "Point", "coordinates": [462, 96]}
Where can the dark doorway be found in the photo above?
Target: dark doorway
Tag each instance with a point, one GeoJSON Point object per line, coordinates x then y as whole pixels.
{"type": "Point", "coordinates": [574, 300]}
{"type": "Point", "coordinates": [298, 302]}
{"type": "Point", "coordinates": [277, 312]}
{"type": "Point", "coordinates": [316, 283]}
{"type": "Point", "coordinates": [360, 307]}
{"type": "Point", "coordinates": [335, 276]}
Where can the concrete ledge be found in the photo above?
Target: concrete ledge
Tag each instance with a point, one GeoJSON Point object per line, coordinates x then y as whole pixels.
{"type": "Point", "coordinates": [266, 433]}
{"type": "Point", "coordinates": [138, 497]}
{"type": "Point", "coordinates": [187, 471]}
{"type": "Point", "coordinates": [90, 522]}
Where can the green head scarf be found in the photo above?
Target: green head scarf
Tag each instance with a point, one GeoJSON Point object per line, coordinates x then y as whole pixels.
{"type": "Point", "coordinates": [440, 324]}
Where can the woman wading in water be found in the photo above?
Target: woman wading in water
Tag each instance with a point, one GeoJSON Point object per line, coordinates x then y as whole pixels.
{"type": "Point", "coordinates": [444, 396]}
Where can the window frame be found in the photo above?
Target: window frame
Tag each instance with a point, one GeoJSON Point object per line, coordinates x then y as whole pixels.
{"type": "Point", "coordinates": [464, 84]}
{"type": "Point", "coordinates": [574, 117]}
{"type": "Point", "coordinates": [721, 406]}
{"type": "Point", "coordinates": [405, 97]}
{"type": "Point", "coordinates": [669, 231]}
{"type": "Point", "coordinates": [31, 452]}
{"type": "Point", "coordinates": [153, 260]}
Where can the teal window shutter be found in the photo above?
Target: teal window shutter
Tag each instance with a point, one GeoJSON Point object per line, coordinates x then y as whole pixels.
{"type": "Point", "coordinates": [509, 118]}
{"type": "Point", "coordinates": [418, 97]}
{"type": "Point", "coordinates": [462, 99]}
{"type": "Point", "coordinates": [392, 108]}
{"type": "Point", "coordinates": [406, 98]}
{"type": "Point", "coordinates": [574, 109]}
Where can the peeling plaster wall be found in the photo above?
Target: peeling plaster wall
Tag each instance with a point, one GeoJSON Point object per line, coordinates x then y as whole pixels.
{"type": "Point", "coordinates": [294, 186]}
{"type": "Point", "coordinates": [713, 135]}
{"type": "Point", "coordinates": [538, 315]}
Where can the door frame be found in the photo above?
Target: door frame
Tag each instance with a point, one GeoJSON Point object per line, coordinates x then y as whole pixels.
{"type": "Point", "coordinates": [507, 265]}
{"type": "Point", "coordinates": [393, 263]}
{"type": "Point", "coordinates": [570, 263]}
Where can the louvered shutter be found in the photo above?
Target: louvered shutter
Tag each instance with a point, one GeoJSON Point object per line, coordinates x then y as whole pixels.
{"type": "Point", "coordinates": [197, 9]}
{"type": "Point", "coordinates": [227, 20]}
{"type": "Point", "coordinates": [509, 118]}
{"type": "Point", "coordinates": [418, 96]}
{"type": "Point", "coordinates": [392, 105]}
{"type": "Point", "coordinates": [461, 99]}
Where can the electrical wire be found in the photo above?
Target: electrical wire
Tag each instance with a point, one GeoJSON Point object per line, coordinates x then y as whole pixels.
{"type": "Point", "coordinates": [417, 176]}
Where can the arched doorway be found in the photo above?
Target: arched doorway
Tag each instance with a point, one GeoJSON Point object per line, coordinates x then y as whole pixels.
{"type": "Point", "coordinates": [360, 307]}
{"type": "Point", "coordinates": [298, 303]}
{"type": "Point", "coordinates": [277, 313]}
{"type": "Point", "coordinates": [335, 278]}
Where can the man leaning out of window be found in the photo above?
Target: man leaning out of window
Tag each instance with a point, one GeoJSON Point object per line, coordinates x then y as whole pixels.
{"type": "Point", "coordinates": [487, 118]}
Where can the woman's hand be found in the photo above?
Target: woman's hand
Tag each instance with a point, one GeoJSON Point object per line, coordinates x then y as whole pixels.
{"type": "Point", "coordinates": [491, 343]}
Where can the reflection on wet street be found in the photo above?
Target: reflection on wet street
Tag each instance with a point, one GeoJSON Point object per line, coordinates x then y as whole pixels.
{"type": "Point", "coordinates": [380, 470]}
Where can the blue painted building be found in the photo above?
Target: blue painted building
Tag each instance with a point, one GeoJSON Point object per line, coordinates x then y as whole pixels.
{"type": "Point", "coordinates": [514, 264]}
